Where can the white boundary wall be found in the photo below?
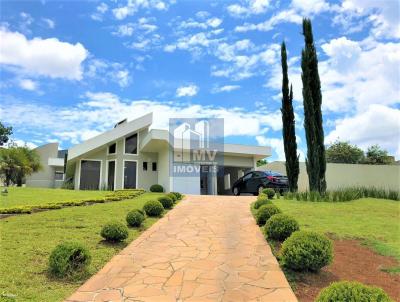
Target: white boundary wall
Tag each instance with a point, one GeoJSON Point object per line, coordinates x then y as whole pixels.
{"type": "Point", "coordinates": [347, 175]}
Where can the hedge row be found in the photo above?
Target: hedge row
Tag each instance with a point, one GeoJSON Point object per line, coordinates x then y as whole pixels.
{"type": "Point", "coordinates": [117, 195]}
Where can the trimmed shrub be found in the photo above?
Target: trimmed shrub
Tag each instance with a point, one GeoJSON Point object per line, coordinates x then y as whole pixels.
{"type": "Point", "coordinates": [265, 212]}
{"type": "Point", "coordinates": [166, 202]}
{"type": "Point", "coordinates": [172, 196]}
{"type": "Point", "coordinates": [68, 258]}
{"type": "Point", "coordinates": [352, 291]}
{"type": "Point", "coordinates": [269, 192]}
{"type": "Point", "coordinates": [178, 195]}
{"type": "Point", "coordinates": [135, 218]}
{"type": "Point", "coordinates": [114, 231]}
{"type": "Point", "coordinates": [153, 208]}
{"type": "Point", "coordinates": [280, 226]}
{"type": "Point", "coordinates": [261, 201]}
{"type": "Point", "coordinates": [157, 188]}
{"type": "Point", "coordinates": [306, 251]}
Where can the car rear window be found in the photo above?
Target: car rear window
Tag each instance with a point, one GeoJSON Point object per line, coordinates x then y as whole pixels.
{"type": "Point", "coordinates": [272, 173]}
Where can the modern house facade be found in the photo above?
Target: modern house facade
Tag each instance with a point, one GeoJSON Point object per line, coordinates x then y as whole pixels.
{"type": "Point", "coordinates": [133, 155]}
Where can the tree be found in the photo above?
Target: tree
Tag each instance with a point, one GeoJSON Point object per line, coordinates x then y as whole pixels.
{"type": "Point", "coordinates": [5, 132]}
{"type": "Point", "coordinates": [377, 156]}
{"type": "Point", "coordinates": [18, 162]}
{"type": "Point", "coordinates": [312, 100]}
{"type": "Point", "coordinates": [288, 130]}
{"type": "Point", "coordinates": [343, 152]}
{"type": "Point", "coordinates": [261, 162]}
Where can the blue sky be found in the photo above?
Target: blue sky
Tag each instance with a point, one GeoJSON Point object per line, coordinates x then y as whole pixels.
{"type": "Point", "coordinates": [70, 70]}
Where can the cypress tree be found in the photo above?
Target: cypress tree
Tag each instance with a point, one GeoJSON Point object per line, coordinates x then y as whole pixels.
{"type": "Point", "coordinates": [312, 99]}
{"type": "Point", "coordinates": [288, 130]}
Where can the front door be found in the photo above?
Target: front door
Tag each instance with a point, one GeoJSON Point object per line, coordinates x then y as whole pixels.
{"type": "Point", "coordinates": [90, 175]}
{"type": "Point", "coordinates": [111, 175]}
{"type": "Point", "coordinates": [130, 174]}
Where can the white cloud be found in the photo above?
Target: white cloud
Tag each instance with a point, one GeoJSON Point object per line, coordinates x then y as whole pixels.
{"type": "Point", "coordinates": [251, 7]}
{"type": "Point", "coordinates": [379, 124]}
{"type": "Point", "coordinates": [108, 71]}
{"type": "Point", "coordinates": [190, 90]}
{"type": "Point", "coordinates": [46, 57]}
{"type": "Point", "coordinates": [50, 23]}
{"type": "Point", "coordinates": [358, 74]}
{"type": "Point", "coordinates": [226, 88]}
{"type": "Point", "coordinates": [98, 111]}
{"type": "Point", "coordinates": [101, 9]}
{"type": "Point", "coordinates": [22, 143]}
{"type": "Point", "coordinates": [203, 24]}
{"type": "Point", "coordinates": [132, 6]}
{"type": "Point", "coordinates": [382, 15]}
{"type": "Point", "coordinates": [124, 30]}
{"type": "Point", "coordinates": [309, 7]}
{"type": "Point", "coordinates": [28, 84]}
{"type": "Point", "coordinates": [275, 143]}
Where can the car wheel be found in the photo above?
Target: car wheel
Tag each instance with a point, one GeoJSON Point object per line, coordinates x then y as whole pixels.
{"type": "Point", "coordinates": [236, 191]}
{"type": "Point", "coordinates": [260, 188]}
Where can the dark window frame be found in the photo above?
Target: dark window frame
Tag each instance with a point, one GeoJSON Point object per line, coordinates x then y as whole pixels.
{"type": "Point", "coordinates": [154, 166]}
{"type": "Point", "coordinates": [144, 165]}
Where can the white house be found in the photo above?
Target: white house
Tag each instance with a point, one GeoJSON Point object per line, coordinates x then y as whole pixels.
{"type": "Point", "coordinates": [131, 155]}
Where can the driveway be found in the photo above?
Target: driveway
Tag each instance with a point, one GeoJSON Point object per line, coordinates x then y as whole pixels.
{"type": "Point", "coordinates": [208, 248]}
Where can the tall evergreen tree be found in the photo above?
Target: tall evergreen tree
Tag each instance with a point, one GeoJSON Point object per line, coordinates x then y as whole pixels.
{"type": "Point", "coordinates": [312, 99]}
{"type": "Point", "coordinates": [288, 130]}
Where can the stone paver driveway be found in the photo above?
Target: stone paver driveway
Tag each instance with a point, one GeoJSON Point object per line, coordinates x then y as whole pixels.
{"type": "Point", "coordinates": [207, 249]}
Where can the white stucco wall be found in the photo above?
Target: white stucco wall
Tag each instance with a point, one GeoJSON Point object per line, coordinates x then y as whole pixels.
{"type": "Point", "coordinates": [348, 175]}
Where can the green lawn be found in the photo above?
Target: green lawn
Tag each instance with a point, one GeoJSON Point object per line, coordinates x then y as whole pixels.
{"type": "Point", "coordinates": [27, 240]}
{"type": "Point", "coordinates": [376, 221]}
{"type": "Point", "coordinates": [36, 196]}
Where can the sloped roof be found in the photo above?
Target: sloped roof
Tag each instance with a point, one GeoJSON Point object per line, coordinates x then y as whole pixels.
{"type": "Point", "coordinates": [109, 136]}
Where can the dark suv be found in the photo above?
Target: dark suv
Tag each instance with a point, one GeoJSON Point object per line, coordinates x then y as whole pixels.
{"type": "Point", "coordinates": [253, 182]}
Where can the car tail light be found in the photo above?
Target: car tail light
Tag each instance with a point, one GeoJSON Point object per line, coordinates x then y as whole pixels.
{"type": "Point", "coordinates": [271, 178]}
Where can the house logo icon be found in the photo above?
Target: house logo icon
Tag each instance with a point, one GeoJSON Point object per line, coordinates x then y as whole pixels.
{"type": "Point", "coordinates": [188, 140]}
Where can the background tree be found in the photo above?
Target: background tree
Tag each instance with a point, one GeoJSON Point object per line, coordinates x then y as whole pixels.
{"type": "Point", "coordinates": [343, 152]}
{"type": "Point", "coordinates": [18, 162]}
{"type": "Point", "coordinates": [288, 122]}
{"type": "Point", "coordinates": [261, 162]}
{"type": "Point", "coordinates": [375, 155]}
{"type": "Point", "coordinates": [312, 100]}
{"type": "Point", "coordinates": [5, 132]}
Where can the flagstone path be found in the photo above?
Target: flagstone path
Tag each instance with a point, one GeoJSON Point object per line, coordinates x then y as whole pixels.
{"type": "Point", "coordinates": [208, 248]}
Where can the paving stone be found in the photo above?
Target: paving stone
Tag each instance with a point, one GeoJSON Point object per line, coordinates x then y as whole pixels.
{"type": "Point", "coordinates": [208, 248]}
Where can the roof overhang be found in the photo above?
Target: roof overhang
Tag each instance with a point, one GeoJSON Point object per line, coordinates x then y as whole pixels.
{"type": "Point", "coordinates": [156, 138]}
{"type": "Point", "coordinates": [110, 136]}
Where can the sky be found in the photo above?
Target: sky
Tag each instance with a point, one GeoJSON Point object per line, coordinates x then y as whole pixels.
{"type": "Point", "coordinates": [72, 69]}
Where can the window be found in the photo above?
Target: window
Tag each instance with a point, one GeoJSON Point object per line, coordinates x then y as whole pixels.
{"type": "Point", "coordinates": [247, 176]}
{"type": "Point", "coordinates": [154, 166]}
{"type": "Point", "coordinates": [59, 175]}
{"type": "Point", "coordinates": [145, 166]}
{"type": "Point", "coordinates": [112, 148]}
{"type": "Point", "coordinates": [131, 144]}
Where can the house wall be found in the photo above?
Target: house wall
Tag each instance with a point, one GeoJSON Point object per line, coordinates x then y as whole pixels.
{"type": "Point", "coordinates": [144, 178]}
{"type": "Point", "coordinates": [347, 175]}
{"type": "Point", "coordinates": [45, 177]}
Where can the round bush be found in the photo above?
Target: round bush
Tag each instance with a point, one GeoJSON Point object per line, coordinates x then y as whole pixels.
{"type": "Point", "coordinates": [306, 251]}
{"type": "Point", "coordinates": [265, 212]}
{"type": "Point", "coordinates": [157, 188]}
{"type": "Point", "coordinates": [68, 258]}
{"type": "Point", "coordinates": [261, 201]}
{"type": "Point", "coordinates": [172, 196]}
{"type": "Point", "coordinates": [269, 192]}
{"type": "Point", "coordinates": [153, 208]}
{"type": "Point", "coordinates": [135, 218]}
{"type": "Point", "coordinates": [166, 202]}
{"type": "Point", "coordinates": [114, 231]}
{"type": "Point", "coordinates": [280, 227]}
{"type": "Point", "coordinates": [177, 195]}
{"type": "Point", "coordinates": [352, 291]}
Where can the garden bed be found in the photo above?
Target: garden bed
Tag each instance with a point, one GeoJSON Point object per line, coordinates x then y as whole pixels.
{"type": "Point", "coordinates": [354, 262]}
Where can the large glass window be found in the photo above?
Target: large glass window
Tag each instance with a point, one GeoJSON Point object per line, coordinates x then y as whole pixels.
{"type": "Point", "coordinates": [59, 175]}
{"type": "Point", "coordinates": [129, 175]}
{"type": "Point", "coordinates": [90, 175]}
{"type": "Point", "coordinates": [131, 144]}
